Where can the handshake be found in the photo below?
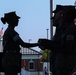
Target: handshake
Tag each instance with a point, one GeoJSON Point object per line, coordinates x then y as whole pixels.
{"type": "Point", "coordinates": [44, 44]}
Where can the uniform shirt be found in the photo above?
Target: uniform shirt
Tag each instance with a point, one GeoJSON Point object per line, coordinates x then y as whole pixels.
{"type": "Point", "coordinates": [10, 40]}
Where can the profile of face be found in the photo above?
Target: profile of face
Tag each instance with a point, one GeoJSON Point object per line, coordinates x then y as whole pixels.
{"type": "Point", "coordinates": [57, 18]}
{"type": "Point", "coordinates": [13, 22]}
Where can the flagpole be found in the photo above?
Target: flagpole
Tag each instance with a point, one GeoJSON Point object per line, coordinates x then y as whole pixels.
{"type": "Point", "coordinates": [51, 25]}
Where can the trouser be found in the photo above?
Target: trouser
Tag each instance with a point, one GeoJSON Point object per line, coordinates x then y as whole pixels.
{"type": "Point", "coordinates": [53, 63]}
{"type": "Point", "coordinates": [11, 63]}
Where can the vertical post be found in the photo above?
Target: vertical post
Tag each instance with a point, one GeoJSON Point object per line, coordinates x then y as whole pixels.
{"type": "Point", "coordinates": [47, 51]}
{"type": "Point", "coordinates": [47, 33]}
{"type": "Point", "coordinates": [29, 40]}
{"type": "Point", "coordinates": [51, 25]}
{"type": "Point", "coordinates": [51, 15]}
{"type": "Point", "coordinates": [38, 65]}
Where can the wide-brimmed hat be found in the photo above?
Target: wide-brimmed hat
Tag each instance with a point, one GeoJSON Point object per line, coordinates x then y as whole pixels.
{"type": "Point", "coordinates": [58, 8]}
{"type": "Point", "coordinates": [68, 8]}
{"type": "Point", "coordinates": [11, 15]}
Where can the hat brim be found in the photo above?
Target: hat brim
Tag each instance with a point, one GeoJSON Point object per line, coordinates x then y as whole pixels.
{"type": "Point", "coordinates": [18, 17]}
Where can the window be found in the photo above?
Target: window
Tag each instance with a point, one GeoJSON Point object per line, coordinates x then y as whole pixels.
{"type": "Point", "coordinates": [31, 65]}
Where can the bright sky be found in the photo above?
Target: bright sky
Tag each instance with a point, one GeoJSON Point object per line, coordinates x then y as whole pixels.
{"type": "Point", "coordinates": [35, 17]}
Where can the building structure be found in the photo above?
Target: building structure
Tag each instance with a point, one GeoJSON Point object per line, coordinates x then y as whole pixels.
{"type": "Point", "coordinates": [31, 60]}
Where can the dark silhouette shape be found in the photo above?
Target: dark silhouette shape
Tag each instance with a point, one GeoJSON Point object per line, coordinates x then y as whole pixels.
{"type": "Point", "coordinates": [45, 71]}
{"type": "Point", "coordinates": [11, 61]}
{"type": "Point", "coordinates": [1, 55]}
{"type": "Point", "coordinates": [56, 23]}
{"type": "Point", "coordinates": [63, 43]}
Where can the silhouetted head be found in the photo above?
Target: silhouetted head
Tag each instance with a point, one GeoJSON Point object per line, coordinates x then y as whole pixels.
{"type": "Point", "coordinates": [11, 18]}
{"type": "Point", "coordinates": [66, 14]}
{"type": "Point", "coordinates": [57, 15]}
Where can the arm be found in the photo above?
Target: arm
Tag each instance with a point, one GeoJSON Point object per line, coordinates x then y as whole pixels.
{"type": "Point", "coordinates": [19, 41]}
{"type": "Point", "coordinates": [60, 45]}
{"type": "Point", "coordinates": [49, 44]}
{"type": "Point", "coordinates": [27, 45]}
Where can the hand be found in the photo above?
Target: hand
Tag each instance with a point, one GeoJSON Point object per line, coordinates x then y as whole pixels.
{"type": "Point", "coordinates": [43, 43]}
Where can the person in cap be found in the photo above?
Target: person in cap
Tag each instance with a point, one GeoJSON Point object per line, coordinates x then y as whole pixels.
{"type": "Point", "coordinates": [56, 19]}
{"type": "Point", "coordinates": [65, 58]}
{"type": "Point", "coordinates": [11, 45]}
{"type": "Point", "coordinates": [56, 23]}
{"type": "Point", "coordinates": [63, 43]}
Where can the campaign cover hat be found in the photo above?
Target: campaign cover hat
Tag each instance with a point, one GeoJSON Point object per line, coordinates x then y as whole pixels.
{"type": "Point", "coordinates": [69, 11]}
{"type": "Point", "coordinates": [58, 8]}
{"type": "Point", "coordinates": [11, 15]}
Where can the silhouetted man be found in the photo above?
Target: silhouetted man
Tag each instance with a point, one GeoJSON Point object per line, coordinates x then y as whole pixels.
{"type": "Point", "coordinates": [56, 23]}
{"type": "Point", "coordinates": [63, 43]}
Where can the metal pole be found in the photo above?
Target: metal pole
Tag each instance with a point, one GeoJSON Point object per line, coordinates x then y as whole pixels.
{"type": "Point", "coordinates": [47, 50]}
{"type": "Point", "coordinates": [29, 40]}
{"type": "Point", "coordinates": [47, 33]}
{"type": "Point", "coordinates": [51, 25]}
{"type": "Point", "coordinates": [51, 15]}
{"type": "Point", "coordinates": [38, 66]}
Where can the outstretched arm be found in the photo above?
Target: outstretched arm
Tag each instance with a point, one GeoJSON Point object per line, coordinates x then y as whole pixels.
{"type": "Point", "coordinates": [27, 45]}
{"type": "Point", "coordinates": [19, 41]}
{"type": "Point", "coordinates": [49, 44]}
{"type": "Point", "coordinates": [67, 45]}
